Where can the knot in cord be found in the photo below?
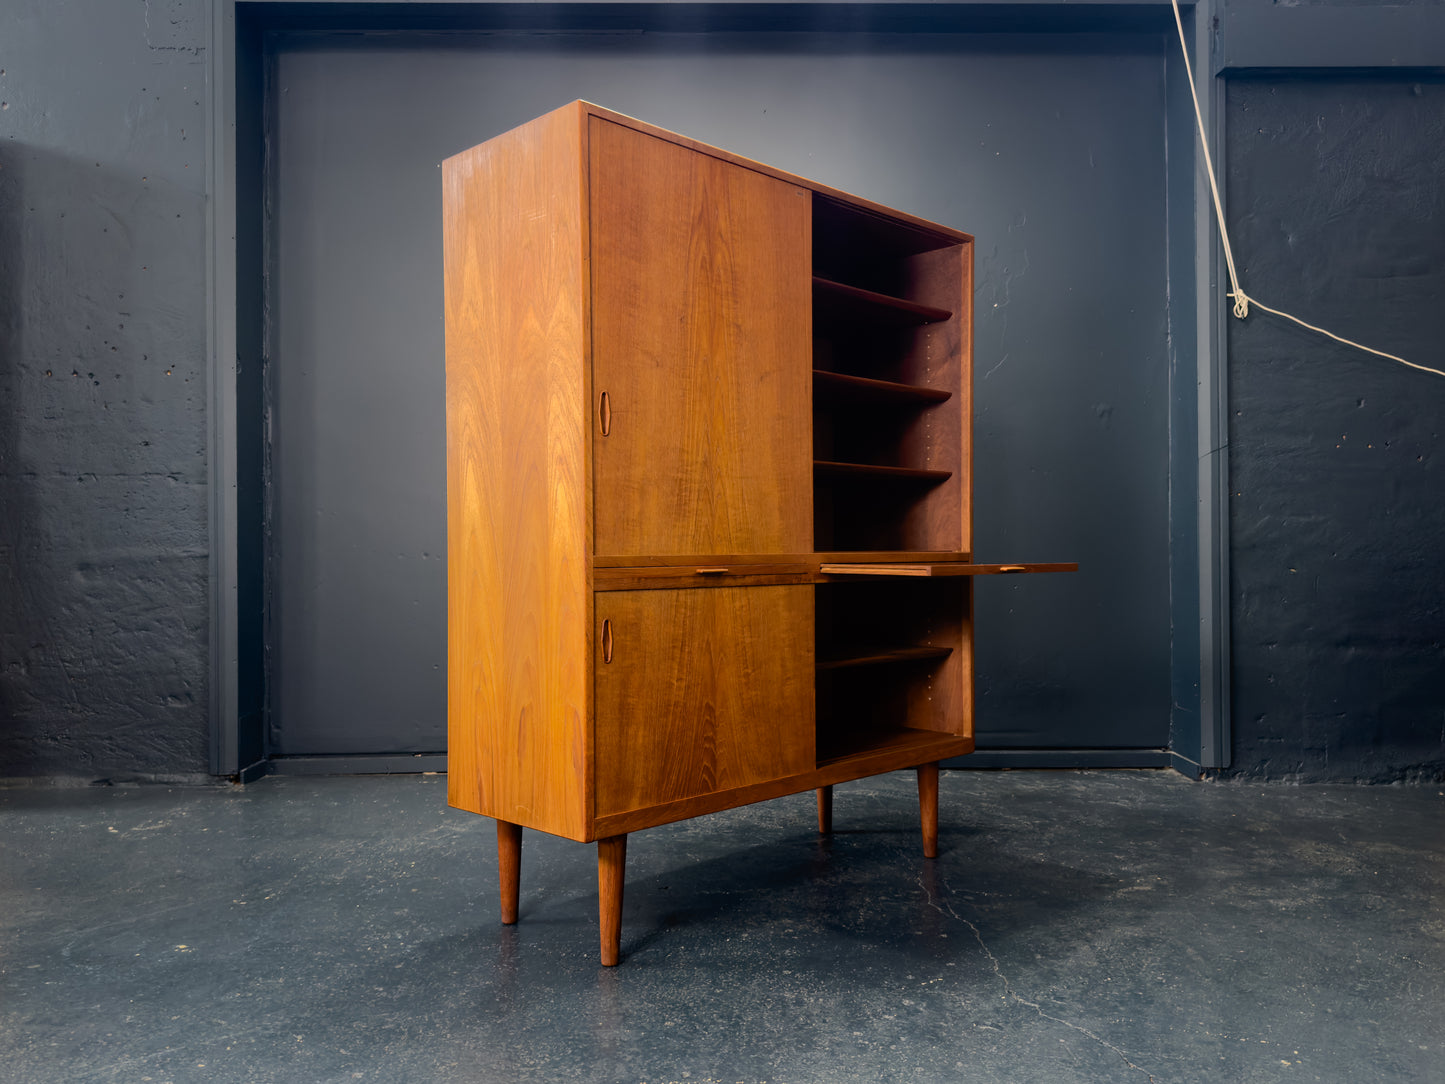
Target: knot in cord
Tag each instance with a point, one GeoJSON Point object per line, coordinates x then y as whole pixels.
{"type": "Point", "coordinates": [1241, 300]}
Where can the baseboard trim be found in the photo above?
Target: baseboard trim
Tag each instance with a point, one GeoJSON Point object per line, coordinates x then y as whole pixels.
{"type": "Point", "coordinates": [992, 759]}
{"type": "Point", "coordinates": [1184, 766]}
{"type": "Point", "coordinates": [252, 772]}
{"type": "Point", "coordinates": [979, 760]}
{"type": "Point", "coordinates": [373, 764]}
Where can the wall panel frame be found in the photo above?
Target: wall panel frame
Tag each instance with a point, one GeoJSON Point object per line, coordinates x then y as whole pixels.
{"type": "Point", "coordinates": [1198, 435]}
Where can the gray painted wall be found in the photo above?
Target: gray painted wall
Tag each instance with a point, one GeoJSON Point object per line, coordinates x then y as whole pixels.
{"type": "Point", "coordinates": [103, 513]}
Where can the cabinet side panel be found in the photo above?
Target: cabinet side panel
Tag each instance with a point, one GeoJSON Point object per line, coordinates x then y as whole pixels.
{"type": "Point", "coordinates": [965, 407]}
{"type": "Point", "coordinates": [518, 605]}
{"type": "Point", "coordinates": [942, 359]}
{"type": "Point", "coordinates": [706, 690]}
{"type": "Point", "coordinates": [945, 704]}
{"type": "Point", "coordinates": [945, 278]}
{"type": "Point", "coordinates": [701, 329]}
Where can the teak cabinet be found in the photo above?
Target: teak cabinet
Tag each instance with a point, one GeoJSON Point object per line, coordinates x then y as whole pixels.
{"type": "Point", "coordinates": [708, 471]}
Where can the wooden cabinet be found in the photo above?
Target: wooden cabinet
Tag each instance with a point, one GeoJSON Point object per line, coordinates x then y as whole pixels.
{"type": "Point", "coordinates": [707, 485]}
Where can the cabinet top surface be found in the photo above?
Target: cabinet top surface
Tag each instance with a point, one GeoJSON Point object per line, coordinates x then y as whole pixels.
{"type": "Point", "coordinates": [584, 109]}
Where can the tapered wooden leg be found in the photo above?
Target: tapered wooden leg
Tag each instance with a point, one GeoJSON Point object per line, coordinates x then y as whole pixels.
{"type": "Point", "coordinates": [509, 867]}
{"type": "Point", "coordinates": [928, 807]}
{"type": "Point", "coordinates": [825, 810]}
{"type": "Point", "coordinates": [611, 858]}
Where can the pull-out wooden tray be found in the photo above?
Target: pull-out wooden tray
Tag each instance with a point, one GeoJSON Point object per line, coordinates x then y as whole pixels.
{"type": "Point", "coordinates": [942, 568]}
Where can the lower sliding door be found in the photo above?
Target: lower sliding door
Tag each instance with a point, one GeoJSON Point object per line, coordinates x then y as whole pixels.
{"type": "Point", "coordinates": [700, 690]}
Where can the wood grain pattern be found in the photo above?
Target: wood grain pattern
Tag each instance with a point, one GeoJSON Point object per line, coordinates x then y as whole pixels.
{"type": "Point", "coordinates": [964, 350]}
{"type": "Point", "coordinates": [893, 751]}
{"type": "Point", "coordinates": [871, 392]}
{"type": "Point", "coordinates": [937, 569]}
{"type": "Point", "coordinates": [962, 691]}
{"type": "Point", "coordinates": [885, 656]}
{"type": "Point", "coordinates": [856, 203]}
{"type": "Point", "coordinates": [709, 689]}
{"type": "Point", "coordinates": [874, 473]}
{"type": "Point", "coordinates": [518, 415]}
{"type": "Point", "coordinates": [697, 575]}
{"type": "Point", "coordinates": [509, 868]}
{"type": "Point", "coordinates": [611, 867]}
{"type": "Point", "coordinates": [903, 748]}
{"type": "Point", "coordinates": [757, 574]}
{"type": "Point", "coordinates": [700, 339]}
{"type": "Point", "coordinates": [873, 274]}
{"type": "Point", "coordinates": [858, 568]}
{"type": "Point", "coordinates": [801, 560]}
{"type": "Point", "coordinates": [945, 702]}
{"type": "Point", "coordinates": [943, 358]}
{"type": "Point", "coordinates": [863, 617]}
{"type": "Point", "coordinates": [853, 303]}
{"type": "Point", "coordinates": [928, 807]}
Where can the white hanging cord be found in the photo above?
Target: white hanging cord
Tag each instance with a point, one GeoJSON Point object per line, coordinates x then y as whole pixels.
{"type": "Point", "coordinates": [1330, 334]}
{"type": "Point", "coordinates": [1243, 301]}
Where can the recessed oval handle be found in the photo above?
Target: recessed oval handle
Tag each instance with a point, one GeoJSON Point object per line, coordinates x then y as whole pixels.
{"type": "Point", "coordinates": [1012, 568]}
{"type": "Point", "coordinates": [712, 571]}
{"type": "Point", "coordinates": [604, 413]}
{"type": "Point", "coordinates": [607, 640]}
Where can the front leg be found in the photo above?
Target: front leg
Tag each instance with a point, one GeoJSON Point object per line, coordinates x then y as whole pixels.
{"type": "Point", "coordinates": [611, 858]}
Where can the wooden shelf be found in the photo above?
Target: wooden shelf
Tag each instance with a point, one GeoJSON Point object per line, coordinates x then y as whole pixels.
{"type": "Point", "coordinates": [866, 389]}
{"type": "Point", "coordinates": [871, 472]}
{"type": "Point", "coordinates": [884, 657]}
{"type": "Point", "coordinates": [922, 745]}
{"type": "Point", "coordinates": [879, 557]}
{"type": "Point", "coordinates": [853, 301]}
{"type": "Point", "coordinates": [851, 233]}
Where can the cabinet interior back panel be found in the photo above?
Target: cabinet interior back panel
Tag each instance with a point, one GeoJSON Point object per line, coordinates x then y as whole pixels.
{"type": "Point", "coordinates": [1049, 150]}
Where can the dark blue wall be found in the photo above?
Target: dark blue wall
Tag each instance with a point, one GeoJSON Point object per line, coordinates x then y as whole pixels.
{"type": "Point", "coordinates": [1336, 189]}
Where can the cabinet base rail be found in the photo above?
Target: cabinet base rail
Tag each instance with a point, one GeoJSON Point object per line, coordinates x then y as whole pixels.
{"type": "Point", "coordinates": [612, 861]}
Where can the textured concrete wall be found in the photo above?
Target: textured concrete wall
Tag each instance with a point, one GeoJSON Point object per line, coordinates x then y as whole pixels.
{"type": "Point", "coordinates": [1337, 214]}
{"type": "Point", "coordinates": [103, 521]}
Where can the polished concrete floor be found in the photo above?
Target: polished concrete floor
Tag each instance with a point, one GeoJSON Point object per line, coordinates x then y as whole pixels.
{"type": "Point", "coordinates": [1091, 926]}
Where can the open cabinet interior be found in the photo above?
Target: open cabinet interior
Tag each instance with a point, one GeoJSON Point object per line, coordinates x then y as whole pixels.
{"type": "Point", "coordinates": [890, 318]}
{"type": "Point", "coordinates": [892, 664]}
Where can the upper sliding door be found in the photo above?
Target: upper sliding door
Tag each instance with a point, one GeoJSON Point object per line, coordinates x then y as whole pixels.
{"type": "Point", "coordinates": [701, 308]}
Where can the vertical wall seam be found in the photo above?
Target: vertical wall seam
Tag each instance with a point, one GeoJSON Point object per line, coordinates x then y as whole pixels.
{"type": "Point", "coordinates": [223, 699]}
